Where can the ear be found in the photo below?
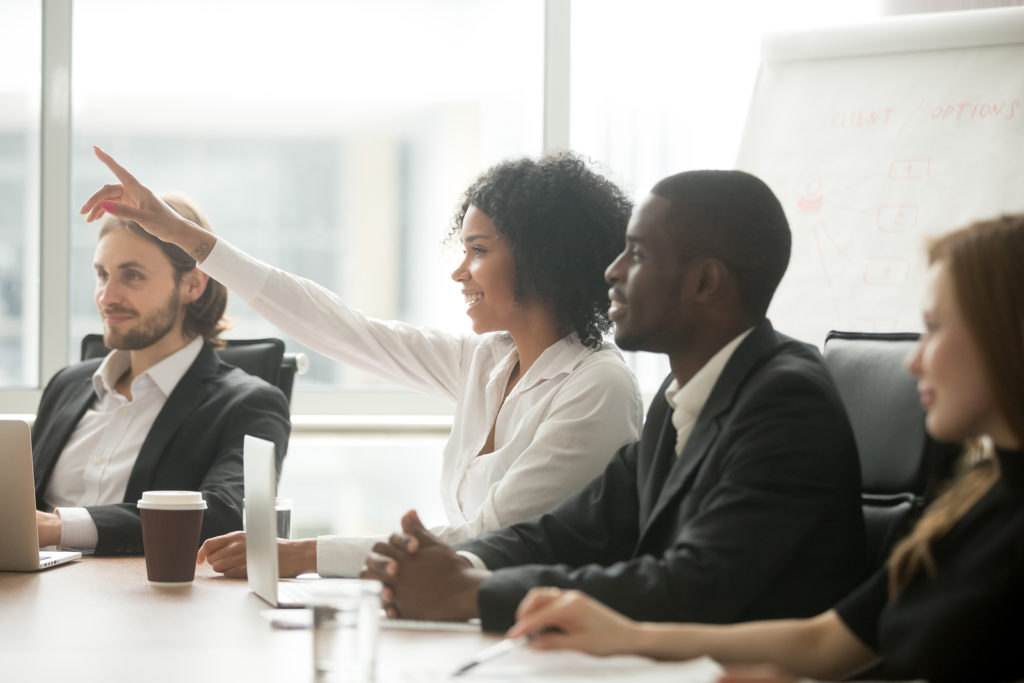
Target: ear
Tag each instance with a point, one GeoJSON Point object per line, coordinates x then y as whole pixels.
{"type": "Point", "coordinates": [710, 276]}
{"type": "Point", "coordinates": [193, 284]}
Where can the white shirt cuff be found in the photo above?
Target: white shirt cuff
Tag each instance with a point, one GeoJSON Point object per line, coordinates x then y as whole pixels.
{"type": "Point", "coordinates": [473, 559]}
{"type": "Point", "coordinates": [77, 530]}
{"type": "Point", "coordinates": [343, 555]}
{"type": "Point", "coordinates": [235, 269]}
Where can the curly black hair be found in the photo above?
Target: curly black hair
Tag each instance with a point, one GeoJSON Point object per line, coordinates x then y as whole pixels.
{"type": "Point", "coordinates": [565, 223]}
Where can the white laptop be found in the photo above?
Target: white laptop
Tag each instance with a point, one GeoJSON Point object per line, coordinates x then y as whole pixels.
{"type": "Point", "coordinates": [19, 535]}
{"type": "Point", "coordinates": [260, 474]}
{"type": "Point", "coordinates": [261, 546]}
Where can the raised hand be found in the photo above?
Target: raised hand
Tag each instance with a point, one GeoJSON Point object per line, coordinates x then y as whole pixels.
{"type": "Point", "coordinates": [134, 201]}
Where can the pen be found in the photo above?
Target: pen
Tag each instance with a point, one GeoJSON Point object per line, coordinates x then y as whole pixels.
{"type": "Point", "coordinates": [496, 650]}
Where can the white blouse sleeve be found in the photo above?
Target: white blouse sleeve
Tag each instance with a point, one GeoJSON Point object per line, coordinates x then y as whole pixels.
{"type": "Point", "coordinates": [344, 555]}
{"type": "Point", "coordinates": [420, 358]}
{"type": "Point", "coordinates": [596, 412]}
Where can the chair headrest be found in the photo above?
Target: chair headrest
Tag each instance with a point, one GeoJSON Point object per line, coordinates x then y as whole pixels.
{"type": "Point", "coordinates": [882, 402]}
{"type": "Point", "coordinates": [260, 357]}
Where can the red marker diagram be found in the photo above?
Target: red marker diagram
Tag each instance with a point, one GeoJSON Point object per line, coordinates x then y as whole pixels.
{"type": "Point", "coordinates": [897, 217]}
{"type": "Point", "coordinates": [886, 272]}
{"type": "Point", "coordinates": [909, 169]}
{"type": "Point", "coordinates": [810, 200]}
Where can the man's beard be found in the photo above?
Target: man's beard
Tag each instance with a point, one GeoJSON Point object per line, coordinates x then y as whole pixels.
{"type": "Point", "coordinates": [149, 329]}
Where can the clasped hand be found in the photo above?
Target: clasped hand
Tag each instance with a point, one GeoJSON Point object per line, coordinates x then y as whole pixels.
{"type": "Point", "coordinates": [423, 578]}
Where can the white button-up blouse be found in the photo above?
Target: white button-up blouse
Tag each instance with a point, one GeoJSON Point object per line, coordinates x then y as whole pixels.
{"type": "Point", "coordinates": [556, 430]}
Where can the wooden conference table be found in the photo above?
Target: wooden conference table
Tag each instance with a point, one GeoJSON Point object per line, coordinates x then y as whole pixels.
{"type": "Point", "coordinates": [98, 619]}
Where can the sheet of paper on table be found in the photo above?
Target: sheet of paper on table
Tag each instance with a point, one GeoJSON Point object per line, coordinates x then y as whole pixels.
{"type": "Point", "coordinates": [569, 667]}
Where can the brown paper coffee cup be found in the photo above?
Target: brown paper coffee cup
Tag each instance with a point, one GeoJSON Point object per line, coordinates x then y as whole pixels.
{"type": "Point", "coordinates": [171, 526]}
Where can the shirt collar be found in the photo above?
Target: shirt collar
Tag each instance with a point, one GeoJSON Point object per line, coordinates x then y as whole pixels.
{"type": "Point", "coordinates": [691, 397]}
{"type": "Point", "coordinates": [558, 359]}
{"type": "Point", "coordinates": [165, 375]}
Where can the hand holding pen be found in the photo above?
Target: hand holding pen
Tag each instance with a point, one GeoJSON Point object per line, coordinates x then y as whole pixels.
{"type": "Point", "coordinates": [563, 619]}
{"type": "Point", "coordinates": [487, 654]}
{"type": "Point", "coordinates": [553, 619]}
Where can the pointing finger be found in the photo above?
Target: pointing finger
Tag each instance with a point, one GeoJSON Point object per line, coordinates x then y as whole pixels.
{"type": "Point", "coordinates": [124, 176]}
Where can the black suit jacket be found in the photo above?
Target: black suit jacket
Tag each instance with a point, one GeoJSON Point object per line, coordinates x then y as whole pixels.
{"type": "Point", "coordinates": [758, 518]}
{"type": "Point", "coordinates": [195, 444]}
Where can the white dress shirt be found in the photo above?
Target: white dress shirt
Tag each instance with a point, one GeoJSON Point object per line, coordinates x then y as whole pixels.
{"type": "Point", "coordinates": [686, 403]}
{"type": "Point", "coordinates": [688, 400]}
{"type": "Point", "coordinates": [557, 429]}
{"type": "Point", "coordinates": [94, 467]}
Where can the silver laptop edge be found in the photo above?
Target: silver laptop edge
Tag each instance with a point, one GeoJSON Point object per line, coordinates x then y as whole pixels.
{"type": "Point", "coordinates": [19, 535]}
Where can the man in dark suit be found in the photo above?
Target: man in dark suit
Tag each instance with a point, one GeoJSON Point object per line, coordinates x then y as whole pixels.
{"type": "Point", "coordinates": [160, 412]}
{"type": "Point", "coordinates": [741, 499]}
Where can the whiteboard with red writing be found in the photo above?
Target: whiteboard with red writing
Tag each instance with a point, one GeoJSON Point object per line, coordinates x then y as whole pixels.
{"type": "Point", "coordinates": [874, 138]}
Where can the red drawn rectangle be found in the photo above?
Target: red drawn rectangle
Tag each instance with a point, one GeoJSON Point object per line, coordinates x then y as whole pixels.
{"type": "Point", "coordinates": [909, 169]}
{"type": "Point", "coordinates": [897, 217]}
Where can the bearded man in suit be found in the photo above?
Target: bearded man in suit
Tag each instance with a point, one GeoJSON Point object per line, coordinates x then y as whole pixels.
{"type": "Point", "coordinates": [160, 412]}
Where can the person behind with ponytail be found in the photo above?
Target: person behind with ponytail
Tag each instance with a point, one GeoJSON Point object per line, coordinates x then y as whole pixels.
{"type": "Point", "coordinates": [949, 603]}
{"type": "Point", "coordinates": [160, 411]}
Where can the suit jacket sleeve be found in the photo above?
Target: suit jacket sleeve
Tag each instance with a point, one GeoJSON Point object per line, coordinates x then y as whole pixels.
{"type": "Point", "coordinates": [205, 455]}
{"type": "Point", "coordinates": [718, 548]}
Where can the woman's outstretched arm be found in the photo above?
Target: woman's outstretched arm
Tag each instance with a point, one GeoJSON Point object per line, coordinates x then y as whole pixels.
{"type": "Point", "coordinates": [820, 647]}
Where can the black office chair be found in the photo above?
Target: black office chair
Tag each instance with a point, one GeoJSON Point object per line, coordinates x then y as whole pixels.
{"type": "Point", "coordinates": [264, 358]}
{"type": "Point", "coordinates": [888, 424]}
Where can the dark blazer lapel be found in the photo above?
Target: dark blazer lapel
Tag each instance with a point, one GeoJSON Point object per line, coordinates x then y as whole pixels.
{"type": "Point", "coordinates": [190, 392]}
{"type": "Point", "coordinates": [746, 357]}
{"type": "Point", "coordinates": [62, 424]}
{"type": "Point", "coordinates": [662, 463]}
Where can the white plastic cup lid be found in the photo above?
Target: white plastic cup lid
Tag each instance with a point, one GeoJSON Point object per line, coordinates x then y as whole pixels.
{"type": "Point", "coordinates": [172, 500]}
{"type": "Point", "coordinates": [280, 503]}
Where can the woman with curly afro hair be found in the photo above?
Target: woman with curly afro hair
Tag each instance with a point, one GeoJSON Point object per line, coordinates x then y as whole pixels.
{"type": "Point", "coordinates": [541, 400]}
{"type": "Point", "coordinates": [563, 225]}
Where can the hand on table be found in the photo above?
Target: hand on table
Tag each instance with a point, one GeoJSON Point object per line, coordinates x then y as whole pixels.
{"type": "Point", "coordinates": [48, 526]}
{"type": "Point", "coordinates": [226, 554]}
{"type": "Point", "coordinates": [423, 578]}
{"type": "Point", "coordinates": [572, 620]}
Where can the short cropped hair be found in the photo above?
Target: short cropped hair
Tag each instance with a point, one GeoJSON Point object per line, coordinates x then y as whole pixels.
{"type": "Point", "coordinates": [565, 223]}
{"type": "Point", "coordinates": [734, 217]}
{"type": "Point", "coordinates": [205, 315]}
